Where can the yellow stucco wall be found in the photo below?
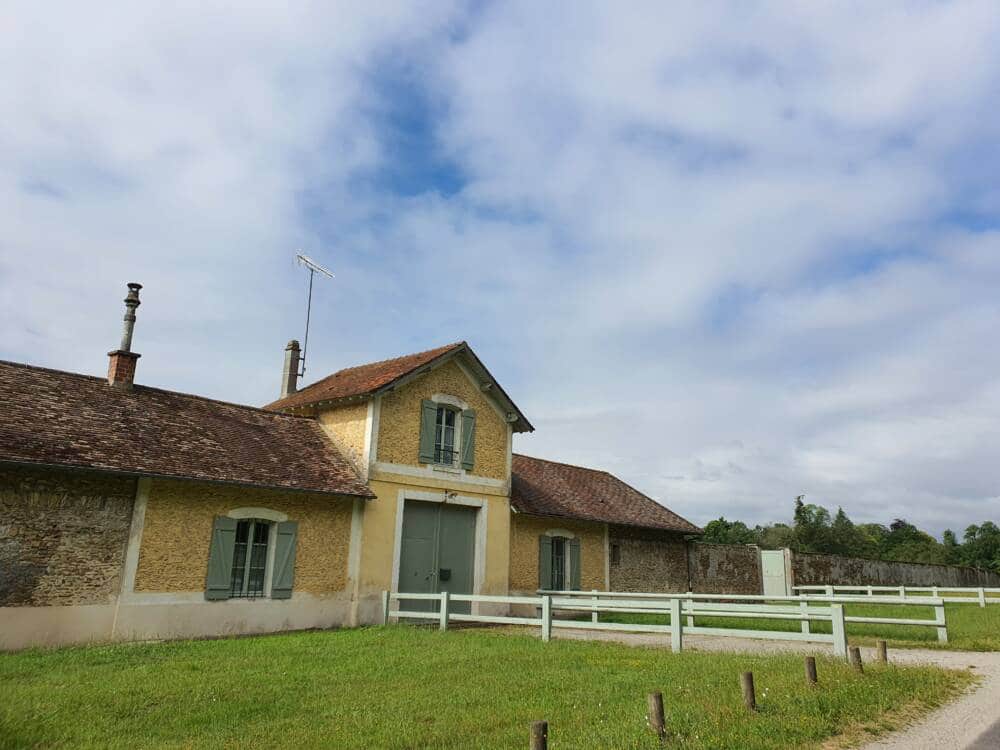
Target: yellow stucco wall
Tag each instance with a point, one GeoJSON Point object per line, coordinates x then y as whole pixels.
{"type": "Point", "coordinates": [346, 427]}
{"type": "Point", "coordinates": [177, 531]}
{"type": "Point", "coordinates": [524, 533]}
{"type": "Point", "coordinates": [399, 421]}
{"type": "Point", "coordinates": [379, 536]}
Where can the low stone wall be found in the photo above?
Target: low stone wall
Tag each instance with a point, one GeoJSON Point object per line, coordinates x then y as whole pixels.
{"type": "Point", "coordinates": [724, 568]}
{"type": "Point", "coordinates": [646, 560]}
{"type": "Point", "coordinates": [818, 569]}
{"type": "Point", "coordinates": [62, 536]}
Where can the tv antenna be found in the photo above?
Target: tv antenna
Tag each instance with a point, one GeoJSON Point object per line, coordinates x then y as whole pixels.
{"type": "Point", "coordinates": [314, 268]}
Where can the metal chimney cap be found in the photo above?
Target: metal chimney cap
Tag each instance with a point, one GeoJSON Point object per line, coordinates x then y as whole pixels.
{"type": "Point", "coordinates": [134, 286]}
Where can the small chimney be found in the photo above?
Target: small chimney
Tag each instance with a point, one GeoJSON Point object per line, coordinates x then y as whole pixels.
{"type": "Point", "coordinates": [290, 375]}
{"type": "Point", "coordinates": [121, 368]}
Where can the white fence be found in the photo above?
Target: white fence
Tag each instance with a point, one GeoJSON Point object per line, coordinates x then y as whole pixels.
{"type": "Point", "coordinates": [676, 609]}
{"type": "Point", "coordinates": [956, 594]}
{"type": "Point", "coordinates": [804, 608]}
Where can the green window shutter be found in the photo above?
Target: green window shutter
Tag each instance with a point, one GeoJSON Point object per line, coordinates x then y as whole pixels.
{"type": "Point", "coordinates": [468, 439]}
{"type": "Point", "coordinates": [428, 419]}
{"type": "Point", "coordinates": [574, 564]}
{"type": "Point", "coordinates": [284, 559]}
{"type": "Point", "coordinates": [220, 558]}
{"type": "Point", "coordinates": [544, 562]}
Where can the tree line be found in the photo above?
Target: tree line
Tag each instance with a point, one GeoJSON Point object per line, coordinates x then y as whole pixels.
{"type": "Point", "coordinates": [814, 530]}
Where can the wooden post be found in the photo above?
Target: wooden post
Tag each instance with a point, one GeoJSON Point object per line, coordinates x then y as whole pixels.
{"type": "Point", "coordinates": [982, 597]}
{"type": "Point", "coordinates": [546, 617]}
{"type": "Point", "coordinates": [690, 603]}
{"type": "Point", "coordinates": [385, 607]}
{"type": "Point", "coordinates": [882, 650]}
{"type": "Point", "coordinates": [655, 708]}
{"type": "Point", "coordinates": [749, 695]}
{"type": "Point", "coordinates": [829, 590]}
{"type": "Point", "coordinates": [593, 601]}
{"type": "Point", "coordinates": [811, 670]}
{"type": "Point", "coordinates": [539, 735]}
{"type": "Point", "coordinates": [902, 592]}
{"type": "Point", "coordinates": [870, 591]}
{"type": "Point", "coordinates": [856, 659]}
{"type": "Point", "coordinates": [443, 621]}
{"type": "Point", "coordinates": [804, 608]}
{"type": "Point", "coordinates": [676, 627]}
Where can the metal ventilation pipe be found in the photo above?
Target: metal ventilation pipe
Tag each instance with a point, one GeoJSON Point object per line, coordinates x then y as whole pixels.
{"type": "Point", "coordinates": [131, 303]}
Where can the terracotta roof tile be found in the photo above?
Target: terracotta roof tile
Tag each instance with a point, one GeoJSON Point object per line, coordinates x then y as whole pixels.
{"type": "Point", "coordinates": [60, 418]}
{"type": "Point", "coordinates": [547, 488]}
{"type": "Point", "coordinates": [362, 380]}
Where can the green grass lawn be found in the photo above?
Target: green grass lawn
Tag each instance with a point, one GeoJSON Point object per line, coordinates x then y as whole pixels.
{"type": "Point", "coordinates": [970, 627]}
{"type": "Point", "coordinates": [406, 687]}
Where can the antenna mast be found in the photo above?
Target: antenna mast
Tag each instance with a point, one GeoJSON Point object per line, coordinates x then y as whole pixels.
{"type": "Point", "coordinates": [314, 268]}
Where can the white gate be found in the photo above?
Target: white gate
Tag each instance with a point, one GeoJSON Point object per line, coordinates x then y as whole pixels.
{"type": "Point", "coordinates": [772, 569]}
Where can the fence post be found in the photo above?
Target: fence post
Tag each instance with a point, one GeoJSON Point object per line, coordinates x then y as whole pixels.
{"type": "Point", "coordinates": [902, 592]}
{"type": "Point", "coordinates": [870, 592]}
{"type": "Point", "coordinates": [654, 705]}
{"type": "Point", "coordinates": [939, 619]}
{"type": "Point", "coordinates": [934, 591]}
{"type": "Point", "coordinates": [839, 630]}
{"type": "Point", "coordinates": [593, 601]}
{"type": "Point", "coordinates": [546, 617]}
{"type": "Point", "coordinates": [690, 622]}
{"type": "Point", "coordinates": [539, 735]}
{"type": "Point", "coordinates": [982, 597]}
{"type": "Point", "coordinates": [385, 607]}
{"type": "Point", "coordinates": [749, 694]}
{"type": "Point", "coordinates": [676, 626]}
{"type": "Point", "coordinates": [444, 611]}
{"type": "Point", "coordinates": [829, 590]}
{"type": "Point", "coordinates": [804, 608]}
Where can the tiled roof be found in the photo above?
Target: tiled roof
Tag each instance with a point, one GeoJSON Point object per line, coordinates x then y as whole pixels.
{"type": "Point", "coordinates": [547, 488]}
{"type": "Point", "coordinates": [362, 380]}
{"type": "Point", "coordinates": [367, 380]}
{"type": "Point", "coordinates": [60, 418]}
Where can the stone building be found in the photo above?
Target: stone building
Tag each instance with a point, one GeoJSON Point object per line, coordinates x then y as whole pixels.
{"type": "Point", "coordinates": [130, 512]}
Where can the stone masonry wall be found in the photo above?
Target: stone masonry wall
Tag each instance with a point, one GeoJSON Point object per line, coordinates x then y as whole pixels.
{"type": "Point", "coordinates": [817, 569]}
{"type": "Point", "coordinates": [178, 531]}
{"type": "Point", "coordinates": [524, 533]}
{"type": "Point", "coordinates": [647, 560]}
{"type": "Point", "coordinates": [62, 536]}
{"type": "Point", "coordinates": [724, 569]}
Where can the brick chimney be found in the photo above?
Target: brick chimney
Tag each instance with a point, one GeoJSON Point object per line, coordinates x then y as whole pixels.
{"type": "Point", "coordinates": [290, 375]}
{"type": "Point", "coordinates": [121, 368]}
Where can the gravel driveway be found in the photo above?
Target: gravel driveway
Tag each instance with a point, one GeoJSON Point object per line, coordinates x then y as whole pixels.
{"type": "Point", "coordinates": [972, 722]}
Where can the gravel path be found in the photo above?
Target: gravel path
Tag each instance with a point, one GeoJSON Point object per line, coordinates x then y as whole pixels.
{"type": "Point", "coordinates": [972, 722]}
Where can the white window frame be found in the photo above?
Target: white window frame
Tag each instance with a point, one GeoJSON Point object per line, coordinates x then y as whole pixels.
{"type": "Point", "coordinates": [273, 517]}
{"type": "Point", "coordinates": [458, 406]}
{"type": "Point", "coordinates": [567, 557]}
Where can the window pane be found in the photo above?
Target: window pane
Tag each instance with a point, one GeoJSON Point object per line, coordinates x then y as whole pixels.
{"type": "Point", "coordinates": [258, 559]}
{"type": "Point", "coordinates": [444, 436]}
{"type": "Point", "coordinates": [558, 563]}
{"type": "Point", "coordinates": [239, 558]}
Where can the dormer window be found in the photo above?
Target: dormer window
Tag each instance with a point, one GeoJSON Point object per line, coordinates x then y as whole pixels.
{"type": "Point", "coordinates": [447, 433]}
{"type": "Point", "coordinates": [444, 436]}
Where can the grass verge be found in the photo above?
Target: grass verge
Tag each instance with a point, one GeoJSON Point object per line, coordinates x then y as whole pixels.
{"type": "Point", "coordinates": [404, 687]}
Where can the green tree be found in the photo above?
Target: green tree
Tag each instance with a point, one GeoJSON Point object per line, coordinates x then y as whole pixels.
{"type": "Point", "coordinates": [721, 531]}
{"type": "Point", "coordinates": [981, 546]}
{"type": "Point", "coordinates": [952, 549]}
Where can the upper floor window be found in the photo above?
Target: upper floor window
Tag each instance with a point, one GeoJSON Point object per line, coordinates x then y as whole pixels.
{"type": "Point", "coordinates": [447, 433]}
{"type": "Point", "coordinates": [444, 436]}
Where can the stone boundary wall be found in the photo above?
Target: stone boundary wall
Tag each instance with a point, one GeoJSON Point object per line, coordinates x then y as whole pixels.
{"type": "Point", "coordinates": [724, 568]}
{"type": "Point", "coordinates": [811, 569]}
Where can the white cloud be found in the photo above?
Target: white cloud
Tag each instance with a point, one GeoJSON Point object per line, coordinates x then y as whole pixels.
{"type": "Point", "coordinates": [731, 253]}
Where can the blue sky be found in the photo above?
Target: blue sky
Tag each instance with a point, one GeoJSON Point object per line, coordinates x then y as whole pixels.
{"type": "Point", "coordinates": [731, 252]}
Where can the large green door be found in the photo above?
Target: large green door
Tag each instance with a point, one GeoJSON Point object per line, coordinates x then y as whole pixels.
{"type": "Point", "coordinates": [437, 552]}
{"type": "Point", "coordinates": [456, 552]}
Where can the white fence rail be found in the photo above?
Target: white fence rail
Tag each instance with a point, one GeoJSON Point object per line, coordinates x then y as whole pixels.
{"type": "Point", "coordinates": [804, 608]}
{"type": "Point", "coordinates": [679, 611]}
{"type": "Point", "coordinates": [955, 594]}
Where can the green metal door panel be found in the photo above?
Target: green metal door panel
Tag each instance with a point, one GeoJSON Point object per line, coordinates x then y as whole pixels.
{"type": "Point", "coordinates": [456, 552]}
{"type": "Point", "coordinates": [418, 553]}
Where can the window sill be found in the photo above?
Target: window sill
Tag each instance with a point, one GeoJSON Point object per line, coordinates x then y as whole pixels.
{"type": "Point", "coordinates": [445, 469]}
